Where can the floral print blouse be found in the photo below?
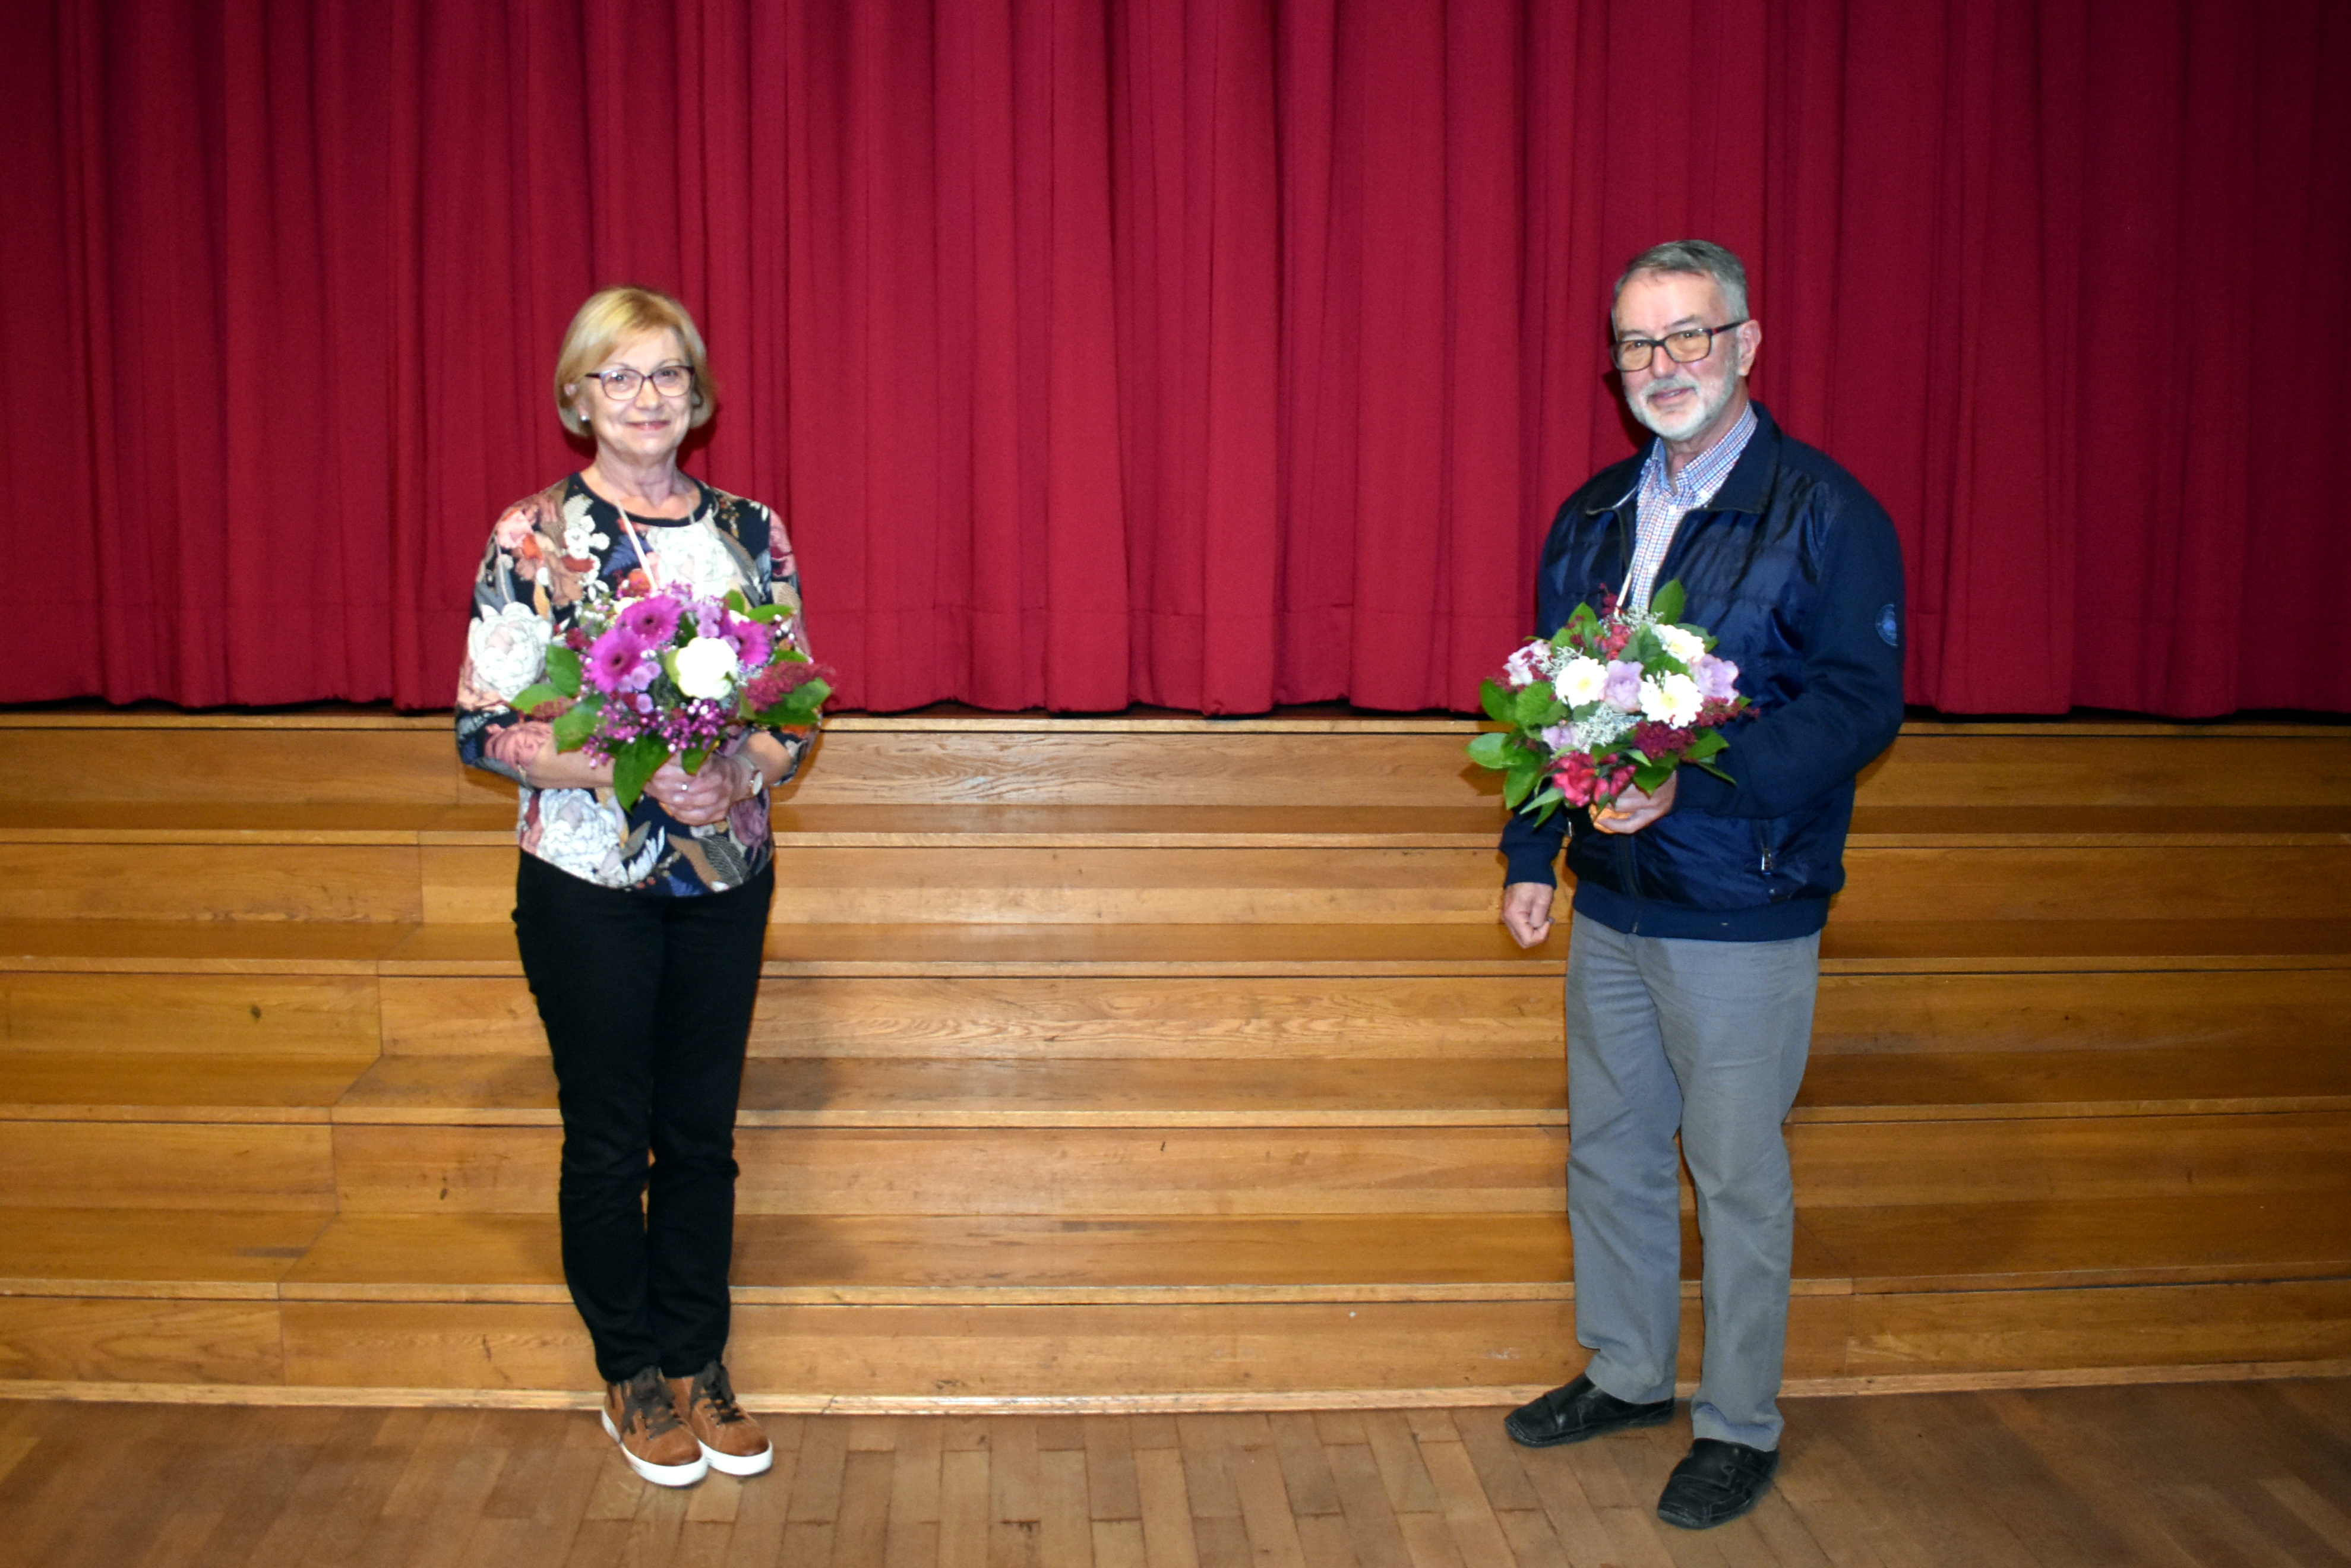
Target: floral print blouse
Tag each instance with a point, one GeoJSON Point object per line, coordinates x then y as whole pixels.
{"type": "Point", "coordinates": [542, 553]}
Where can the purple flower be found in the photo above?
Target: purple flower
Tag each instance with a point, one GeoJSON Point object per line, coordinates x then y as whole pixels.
{"type": "Point", "coordinates": [1623, 691]}
{"type": "Point", "coordinates": [652, 622]}
{"type": "Point", "coordinates": [616, 662]}
{"type": "Point", "coordinates": [1717, 678]}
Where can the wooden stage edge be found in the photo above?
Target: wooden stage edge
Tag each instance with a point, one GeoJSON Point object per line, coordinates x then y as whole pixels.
{"type": "Point", "coordinates": [1219, 1403]}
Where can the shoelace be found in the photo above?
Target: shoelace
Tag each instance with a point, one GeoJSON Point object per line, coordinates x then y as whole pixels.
{"type": "Point", "coordinates": [713, 1385]}
{"type": "Point", "coordinates": [645, 1397]}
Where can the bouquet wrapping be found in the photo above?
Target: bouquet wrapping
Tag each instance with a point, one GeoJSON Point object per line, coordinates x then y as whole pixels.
{"type": "Point", "coordinates": [673, 672]}
{"type": "Point", "coordinates": [1614, 700]}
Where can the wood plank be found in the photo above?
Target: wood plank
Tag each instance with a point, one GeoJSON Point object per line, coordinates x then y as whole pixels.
{"type": "Point", "coordinates": [2038, 766]}
{"type": "Point", "coordinates": [154, 1253]}
{"type": "Point", "coordinates": [164, 1165]}
{"type": "Point", "coordinates": [209, 883]}
{"type": "Point", "coordinates": [1067, 1172]}
{"type": "Point", "coordinates": [1297, 950]}
{"type": "Point", "coordinates": [2173, 1238]}
{"type": "Point", "coordinates": [1458, 1091]}
{"type": "Point", "coordinates": [2219, 1012]}
{"type": "Point", "coordinates": [1123, 1172]}
{"type": "Point", "coordinates": [976, 1094]}
{"type": "Point", "coordinates": [886, 1260]}
{"type": "Point", "coordinates": [122, 1086]}
{"type": "Point", "coordinates": [2070, 1159]}
{"type": "Point", "coordinates": [139, 1341]}
{"type": "Point", "coordinates": [242, 761]}
{"type": "Point", "coordinates": [2057, 883]}
{"type": "Point", "coordinates": [1016, 886]}
{"type": "Point", "coordinates": [208, 1015]}
{"type": "Point", "coordinates": [204, 946]}
{"type": "Point", "coordinates": [1053, 764]}
{"type": "Point", "coordinates": [974, 1352]}
{"type": "Point", "coordinates": [2296, 1075]}
{"type": "Point", "coordinates": [2152, 1326]}
{"type": "Point", "coordinates": [993, 1018]}
{"type": "Point", "coordinates": [895, 825]}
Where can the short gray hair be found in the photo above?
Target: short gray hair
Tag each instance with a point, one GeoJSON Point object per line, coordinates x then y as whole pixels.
{"type": "Point", "coordinates": [1699, 255]}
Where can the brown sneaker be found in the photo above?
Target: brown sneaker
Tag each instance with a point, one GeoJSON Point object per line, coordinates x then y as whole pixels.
{"type": "Point", "coordinates": [640, 1417]}
{"type": "Point", "coordinates": [730, 1440]}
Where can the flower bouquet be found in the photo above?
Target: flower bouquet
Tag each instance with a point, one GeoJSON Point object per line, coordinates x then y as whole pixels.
{"type": "Point", "coordinates": [1614, 700]}
{"type": "Point", "coordinates": [637, 680]}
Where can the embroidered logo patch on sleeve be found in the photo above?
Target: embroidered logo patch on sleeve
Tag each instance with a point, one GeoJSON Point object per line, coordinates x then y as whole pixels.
{"type": "Point", "coordinates": [1886, 627]}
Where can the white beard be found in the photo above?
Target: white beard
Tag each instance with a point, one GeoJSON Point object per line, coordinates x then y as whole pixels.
{"type": "Point", "coordinates": [1690, 423]}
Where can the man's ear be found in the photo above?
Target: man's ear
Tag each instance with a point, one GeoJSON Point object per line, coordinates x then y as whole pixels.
{"type": "Point", "coordinates": [1750, 338]}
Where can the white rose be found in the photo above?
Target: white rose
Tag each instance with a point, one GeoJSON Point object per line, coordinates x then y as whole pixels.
{"type": "Point", "coordinates": [704, 666]}
{"type": "Point", "coordinates": [1671, 699]}
{"type": "Point", "coordinates": [1684, 647]}
{"type": "Point", "coordinates": [508, 648]}
{"type": "Point", "coordinates": [1580, 682]}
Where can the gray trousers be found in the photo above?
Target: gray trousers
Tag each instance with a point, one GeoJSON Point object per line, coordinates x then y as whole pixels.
{"type": "Point", "coordinates": [1708, 1039]}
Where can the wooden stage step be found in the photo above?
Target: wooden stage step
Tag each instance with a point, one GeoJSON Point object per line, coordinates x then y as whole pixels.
{"type": "Point", "coordinates": [1155, 1055]}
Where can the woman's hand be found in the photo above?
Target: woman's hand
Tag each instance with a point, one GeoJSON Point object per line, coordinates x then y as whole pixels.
{"type": "Point", "coordinates": [698, 799]}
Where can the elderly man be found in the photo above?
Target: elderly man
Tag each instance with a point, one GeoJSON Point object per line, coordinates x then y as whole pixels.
{"type": "Point", "coordinates": [1695, 951]}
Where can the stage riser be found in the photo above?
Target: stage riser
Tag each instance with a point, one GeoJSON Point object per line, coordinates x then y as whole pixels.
{"type": "Point", "coordinates": [1133, 1103]}
{"type": "Point", "coordinates": [1017, 1352]}
{"type": "Point", "coordinates": [988, 886]}
{"type": "Point", "coordinates": [1041, 1018]}
{"type": "Point", "coordinates": [1096, 1171]}
{"type": "Point", "coordinates": [858, 766]}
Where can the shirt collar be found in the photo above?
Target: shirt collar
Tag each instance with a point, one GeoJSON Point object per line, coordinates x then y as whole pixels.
{"type": "Point", "coordinates": [1702, 475]}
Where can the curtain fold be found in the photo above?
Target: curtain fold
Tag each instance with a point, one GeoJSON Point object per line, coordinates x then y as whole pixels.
{"type": "Point", "coordinates": [1208, 353]}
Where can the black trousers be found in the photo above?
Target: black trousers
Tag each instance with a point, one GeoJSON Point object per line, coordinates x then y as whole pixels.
{"type": "Point", "coordinates": [647, 1003]}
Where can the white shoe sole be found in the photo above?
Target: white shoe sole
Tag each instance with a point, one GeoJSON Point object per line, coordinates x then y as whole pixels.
{"type": "Point", "coordinates": [739, 1464]}
{"type": "Point", "coordinates": [660, 1475]}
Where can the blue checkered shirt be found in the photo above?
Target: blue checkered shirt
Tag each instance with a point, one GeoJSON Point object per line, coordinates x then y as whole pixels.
{"type": "Point", "coordinates": [1664, 502]}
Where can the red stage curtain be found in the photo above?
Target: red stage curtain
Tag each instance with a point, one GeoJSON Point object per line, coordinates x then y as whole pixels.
{"type": "Point", "coordinates": [1209, 353]}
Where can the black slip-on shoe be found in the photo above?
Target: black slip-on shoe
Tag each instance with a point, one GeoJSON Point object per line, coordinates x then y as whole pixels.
{"type": "Point", "coordinates": [1577, 1410]}
{"type": "Point", "coordinates": [1717, 1483]}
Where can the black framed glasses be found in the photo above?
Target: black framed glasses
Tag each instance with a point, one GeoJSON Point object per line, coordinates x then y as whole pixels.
{"type": "Point", "coordinates": [621, 383]}
{"type": "Point", "coordinates": [1686, 347]}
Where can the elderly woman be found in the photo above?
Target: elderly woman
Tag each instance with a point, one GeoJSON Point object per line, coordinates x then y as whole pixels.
{"type": "Point", "coordinates": [640, 927]}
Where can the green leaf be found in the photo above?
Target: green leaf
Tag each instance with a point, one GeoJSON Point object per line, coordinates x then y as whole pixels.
{"type": "Point", "coordinates": [1520, 781]}
{"type": "Point", "coordinates": [1583, 619]}
{"type": "Point", "coordinates": [1533, 709]}
{"type": "Point", "coordinates": [563, 669]}
{"type": "Point", "coordinates": [1542, 813]}
{"type": "Point", "coordinates": [530, 697]}
{"type": "Point", "coordinates": [1666, 604]}
{"type": "Point", "coordinates": [765, 612]}
{"type": "Point", "coordinates": [636, 762]}
{"type": "Point", "coordinates": [692, 759]}
{"type": "Point", "coordinates": [740, 605]}
{"type": "Point", "coordinates": [1705, 744]}
{"type": "Point", "coordinates": [1646, 651]}
{"type": "Point", "coordinates": [1496, 697]}
{"type": "Point", "coordinates": [1650, 776]}
{"type": "Point", "coordinates": [1491, 749]}
{"type": "Point", "coordinates": [1550, 796]}
{"type": "Point", "coordinates": [1702, 763]}
{"type": "Point", "coordinates": [574, 728]}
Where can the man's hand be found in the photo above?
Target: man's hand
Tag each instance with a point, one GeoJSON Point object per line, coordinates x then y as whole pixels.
{"type": "Point", "coordinates": [1526, 910]}
{"type": "Point", "coordinates": [1634, 810]}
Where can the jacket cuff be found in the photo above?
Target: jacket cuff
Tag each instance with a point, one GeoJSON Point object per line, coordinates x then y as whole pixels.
{"type": "Point", "coordinates": [1529, 862]}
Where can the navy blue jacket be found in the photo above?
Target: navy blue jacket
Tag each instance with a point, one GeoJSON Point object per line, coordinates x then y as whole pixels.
{"type": "Point", "coordinates": [1796, 569]}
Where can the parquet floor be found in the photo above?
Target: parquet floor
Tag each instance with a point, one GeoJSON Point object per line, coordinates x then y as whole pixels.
{"type": "Point", "coordinates": [2256, 1473]}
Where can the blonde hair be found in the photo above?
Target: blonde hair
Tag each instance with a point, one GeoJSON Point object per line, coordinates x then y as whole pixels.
{"type": "Point", "coordinates": [611, 317]}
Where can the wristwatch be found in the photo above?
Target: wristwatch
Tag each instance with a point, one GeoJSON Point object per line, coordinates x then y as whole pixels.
{"type": "Point", "coordinates": [759, 775]}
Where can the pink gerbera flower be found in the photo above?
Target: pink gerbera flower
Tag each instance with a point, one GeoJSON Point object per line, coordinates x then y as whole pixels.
{"type": "Point", "coordinates": [616, 662]}
{"type": "Point", "coordinates": [652, 622]}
